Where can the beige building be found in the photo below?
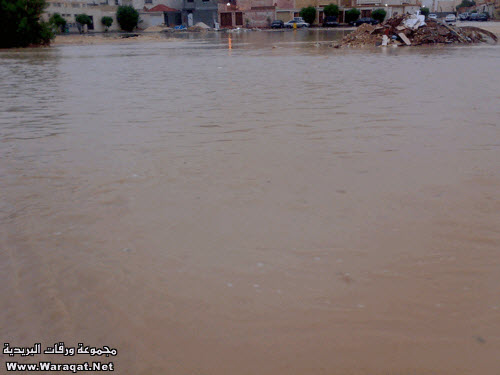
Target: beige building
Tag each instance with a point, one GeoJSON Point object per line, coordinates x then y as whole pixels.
{"type": "Point", "coordinates": [246, 13]}
{"type": "Point", "coordinates": [260, 13]}
{"type": "Point", "coordinates": [70, 9]}
{"type": "Point", "coordinates": [445, 6]}
{"type": "Point", "coordinates": [151, 12]}
{"type": "Point", "coordinates": [492, 7]}
{"type": "Point", "coordinates": [392, 7]}
{"type": "Point", "coordinates": [149, 4]}
{"type": "Point", "coordinates": [285, 10]}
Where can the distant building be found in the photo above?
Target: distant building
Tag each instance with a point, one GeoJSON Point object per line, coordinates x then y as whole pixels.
{"type": "Point", "coordinates": [247, 13]}
{"type": "Point", "coordinates": [149, 4]}
{"type": "Point", "coordinates": [445, 6]}
{"type": "Point", "coordinates": [260, 13]}
{"type": "Point", "coordinates": [392, 7]}
{"type": "Point", "coordinates": [69, 9]}
{"type": "Point", "coordinates": [194, 11]}
{"type": "Point", "coordinates": [160, 15]}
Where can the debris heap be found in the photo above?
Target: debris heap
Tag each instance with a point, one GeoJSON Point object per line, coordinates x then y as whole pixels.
{"type": "Point", "coordinates": [413, 31]}
{"type": "Point", "coordinates": [200, 26]}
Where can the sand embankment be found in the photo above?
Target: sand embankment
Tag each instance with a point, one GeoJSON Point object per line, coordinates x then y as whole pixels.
{"type": "Point", "coordinates": [90, 39]}
{"type": "Point", "coordinates": [492, 26]}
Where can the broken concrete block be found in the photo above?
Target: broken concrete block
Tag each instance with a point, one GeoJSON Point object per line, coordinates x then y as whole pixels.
{"type": "Point", "coordinates": [405, 39]}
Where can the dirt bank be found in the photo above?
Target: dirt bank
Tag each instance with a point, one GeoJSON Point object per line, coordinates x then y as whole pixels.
{"type": "Point", "coordinates": [90, 39]}
{"type": "Point", "coordinates": [491, 26]}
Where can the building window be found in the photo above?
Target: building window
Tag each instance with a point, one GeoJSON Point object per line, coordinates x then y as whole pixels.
{"type": "Point", "coordinates": [190, 1]}
{"type": "Point", "coordinates": [148, 2]}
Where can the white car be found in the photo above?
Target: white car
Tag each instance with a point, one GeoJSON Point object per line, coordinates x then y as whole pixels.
{"type": "Point", "coordinates": [297, 20]}
{"type": "Point", "coordinates": [432, 16]}
{"type": "Point", "coordinates": [450, 18]}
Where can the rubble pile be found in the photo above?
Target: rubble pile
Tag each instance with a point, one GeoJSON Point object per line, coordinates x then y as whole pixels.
{"type": "Point", "coordinates": [200, 26]}
{"type": "Point", "coordinates": [363, 36]}
{"type": "Point", "coordinates": [413, 30]}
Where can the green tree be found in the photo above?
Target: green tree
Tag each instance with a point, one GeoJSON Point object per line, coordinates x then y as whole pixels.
{"type": "Point", "coordinates": [331, 10]}
{"type": "Point", "coordinates": [352, 15]}
{"type": "Point", "coordinates": [58, 21]}
{"type": "Point", "coordinates": [107, 22]}
{"type": "Point", "coordinates": [83, 19]}
{"type": "Point", "coordinates": [308, 14]}
{"type": "Point", "coordinates": [20, 24]}
{"type": "Point", "coordinates": [466, 4]}
{"type": "Point", "coordinates": [424, 11]}
{"type": "Point", "coordinates": [379, 14]}
{"type": "Point", "coordinates": [127, 17]}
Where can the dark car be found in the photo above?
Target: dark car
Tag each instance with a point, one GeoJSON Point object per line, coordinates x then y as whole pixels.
{"type": "Point", "coordinates": [361, 21]}
{"type": "Point", "coordinates": [277, 24]}
{"type": "Point", "coordinates": [464, 16]}
{"type": "Point", "coordinates": [330, 21]}
{"type": "Point", "coordinates": [483, 17]}
{"type": "Point", "coordinates": [479, 17]}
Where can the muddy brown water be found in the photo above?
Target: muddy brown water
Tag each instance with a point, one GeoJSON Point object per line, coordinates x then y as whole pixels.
{"type": "Point", "coordinates": [277, 207]}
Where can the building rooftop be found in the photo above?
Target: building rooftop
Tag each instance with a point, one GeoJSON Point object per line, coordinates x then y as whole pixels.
{"type": "Point", "coordinates": [162, 8]}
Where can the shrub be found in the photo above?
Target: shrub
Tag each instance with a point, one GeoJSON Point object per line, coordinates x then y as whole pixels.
{"type": "Point", "coordinates": [424, 11]}
{"type": "Point", "coordinates": [58, 21]}
{"type": "Point", "coordinates": [20, 24]}
{"type": "Point", "coordinates": [127, 17]}
{"type": "Point", "coordinates": [331, 10]}
{"type": "Point", "coordinates": [107, 22]}
{"type": "Point", "coordinates": [308, 14]}
{"type": "Point", "coordinates": [352, 15]}
{"type": "Point", "coordinates": [379, 14]}
{"type": "Point", "coordinates": [83, 19]}
{"type": "Point", "coordinates": [466, 4]}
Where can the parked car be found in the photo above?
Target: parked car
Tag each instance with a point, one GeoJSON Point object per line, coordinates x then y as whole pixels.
{"type": "Point", "coordinates": [432, 16]}
{"type": "Point", "coordinates": [277, 24]}
{"type": "Point", "coordinates": [464, 16]}
{"type": "Point", "coordinates": [479, 17]}
{"type": "Point", "coordinates": [361, 21]}
{"type": "Point", "coordinates": [450, 18]}
{"type": "Point", "coordinates": [330, 21]}
{"type": "Point", "coordinates": [296, 20]}
{"type": "Point", "coordinates": [483, 17]}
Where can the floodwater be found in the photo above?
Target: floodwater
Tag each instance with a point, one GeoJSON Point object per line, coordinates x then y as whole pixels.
{"type": "Point", "coordinates": [253, 204]}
